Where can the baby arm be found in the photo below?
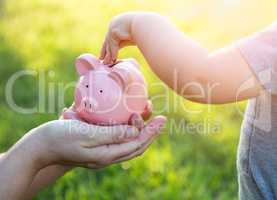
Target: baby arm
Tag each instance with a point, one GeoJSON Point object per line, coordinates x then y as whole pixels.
{"type": "Point", "coordinates": [181, 62]}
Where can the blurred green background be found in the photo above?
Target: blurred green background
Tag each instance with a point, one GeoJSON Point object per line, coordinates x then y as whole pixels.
{"type": "Point", "coordinates": [182, 164]}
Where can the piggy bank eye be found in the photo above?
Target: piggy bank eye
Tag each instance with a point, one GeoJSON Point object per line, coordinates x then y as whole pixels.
{"type": "Point", "coordinates": [101, 91]}
{"type": "Point", "coordinates": [86, 86]}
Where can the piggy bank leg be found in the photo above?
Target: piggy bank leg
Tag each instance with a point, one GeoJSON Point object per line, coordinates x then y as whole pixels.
{"type": "Point", "coordinates": [147, 111]}
{"type": "Point", "coordinates": [138, 120]}
{"type": "Point", "coordinates": [69, 113]}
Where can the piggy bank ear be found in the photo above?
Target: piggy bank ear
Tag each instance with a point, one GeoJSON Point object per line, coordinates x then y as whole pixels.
{"type": "Point", "coordinates": [86, 62]}
{"type": "Point", "coordinates": [122, 76]}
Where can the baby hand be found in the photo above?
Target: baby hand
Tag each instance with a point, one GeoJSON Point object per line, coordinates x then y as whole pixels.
{"type": "Point", "coordinates": [118, 36]}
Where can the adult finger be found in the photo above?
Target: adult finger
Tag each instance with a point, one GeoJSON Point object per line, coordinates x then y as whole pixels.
{"type": "Point", "coordinates": [125, 157]}
{"type": "Point", "coordinates": [138, 152]}
{"type": "Point", "coordinates": [147, 136]}
{"type": "Point", "coordinates": [91, 135]}
{"type": "Point", "coordinates": [137, 121]}
{"type": "Point", "coordinates": [117, 134]}
{"type": "Point", "coordinates": [101, 135]}
{"type": "Point", "coordinates": [152, 128]}
{"type": "Point", "coordinates": [117, 153]}
{"type": "Point", "coordinates": [105, 154]}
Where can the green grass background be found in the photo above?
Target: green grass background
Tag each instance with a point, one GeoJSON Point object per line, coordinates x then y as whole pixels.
{"type": "Point", "coordinates": [49, 35]}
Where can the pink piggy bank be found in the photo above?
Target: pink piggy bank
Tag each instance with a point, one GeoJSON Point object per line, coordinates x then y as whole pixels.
{"type": "Point", "coordinates": [108, 95]}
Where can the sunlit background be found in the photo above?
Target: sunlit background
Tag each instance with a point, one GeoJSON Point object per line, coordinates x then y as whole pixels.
{"type": "Point", "coordinates": [50, 34]}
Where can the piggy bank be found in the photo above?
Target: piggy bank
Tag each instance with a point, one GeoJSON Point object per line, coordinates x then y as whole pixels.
{"type": "Point", "coordinates": [108, 94]}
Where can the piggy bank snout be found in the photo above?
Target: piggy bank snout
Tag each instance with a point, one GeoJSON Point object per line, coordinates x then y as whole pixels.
{"type": "Point", "coordinates": [89, 104]}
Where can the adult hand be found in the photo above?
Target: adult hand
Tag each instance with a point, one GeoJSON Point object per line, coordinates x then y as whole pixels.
{"type": "Point", "coordinates": [59, 144]}
{"type": "Point", "coordinates": [77, 143]}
